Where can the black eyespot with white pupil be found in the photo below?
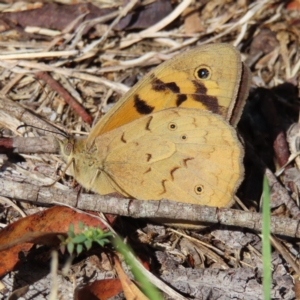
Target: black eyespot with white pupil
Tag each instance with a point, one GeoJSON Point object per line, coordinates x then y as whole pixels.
{"type": "Point", "coordinates": [203, 73]}
{"type": "Point", "coordinates": [172, 126]}
{"type": "Point", "coordinates": [199, 189]}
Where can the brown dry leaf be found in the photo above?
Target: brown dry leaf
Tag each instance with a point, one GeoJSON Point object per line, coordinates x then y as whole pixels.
{"type": "Point", "coordinates": [40, 238]}
{"type": "Point", "coordinates": [145, 16]}
{"type": "Point", "coordinates": [192, 21]}
{"type": "Point", "coordinates": [265, 41]}
{"type": "Point", "coordinates": [55, 219]}
{"type": "Point", "coordinates": [100, 289]}
{"type": "Point", "coordinates": [293, 5]}
{"type": "Point", "coordinates": [53, 15]}
{"type": "Point", "coordinates": [131, 292]}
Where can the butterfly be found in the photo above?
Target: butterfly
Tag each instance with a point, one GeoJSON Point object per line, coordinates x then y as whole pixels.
{"type": "Point", "coordinates": [169, 136]}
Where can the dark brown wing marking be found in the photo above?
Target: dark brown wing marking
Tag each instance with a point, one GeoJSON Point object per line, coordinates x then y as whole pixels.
{"type": "Point", "coordinates": [180, 99]}
{"type": "Point", "coordinates": [200, 95]}
{"type": "Point", "coordinates": [172, 172]}
{"type": "Point", "coordinates": [123, 139]}
{"type": "Point", "coordinates": [160, 86]}
{"type": "Point", "coordinates": [147, 171]}
{"type": "Point", "coordinates": [148, 124]}
{"type": "Point", "coordinates": [195, 122]}
{"type": "Point", "coordinates": [186, 160]}
{"type": "Point", "coordinates": [141, 106]}
{"type": "Point", "coordinates": [164, 186]}
{"type": "Point", "coordinates": [149, 156]}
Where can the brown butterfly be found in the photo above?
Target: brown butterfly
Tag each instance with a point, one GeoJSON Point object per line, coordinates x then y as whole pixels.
{"type": "Point", "coordinates": [135, 151]}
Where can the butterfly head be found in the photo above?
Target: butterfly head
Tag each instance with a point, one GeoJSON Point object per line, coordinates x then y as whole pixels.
{"type": "Point", "coordinates": [67, 149]}
{"type": "Point", "coordinates": [80, 162]}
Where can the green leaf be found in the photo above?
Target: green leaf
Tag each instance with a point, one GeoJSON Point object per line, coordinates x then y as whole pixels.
{"type": "Point", "coordinates": [79, 248]}
{"type": "Point", "coordinates": [78, 239]}
{"type": "Point", "coordinates": [266, 244]}
{"type": "Point", "coordinates": [88, 244]}
{"type": "Point", "coordinates": [70, 247]}
{"type": "Point", "coordinates": [102, 242]}
{"type": "Point", "coordinates": [71, 231]}
{"type": "Point", "coordinates": [80, 225]}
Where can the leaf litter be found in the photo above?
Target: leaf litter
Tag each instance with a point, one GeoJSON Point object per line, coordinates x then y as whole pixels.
{"type": "Point", "coordinates": [96, 51]}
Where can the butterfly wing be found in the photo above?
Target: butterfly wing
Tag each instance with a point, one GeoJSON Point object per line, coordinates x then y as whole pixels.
{"type": "Point", "coordinates": [185, 155]}
{"type": "Point", "coordinates": [208, 77]}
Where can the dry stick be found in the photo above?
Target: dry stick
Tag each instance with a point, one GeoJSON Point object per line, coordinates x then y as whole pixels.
{"type": "Point", "coordinates": [122, 14]}
{"type": "Point", "coordinates": [205, 249]}
{"type": "Point", "coordinates": [16, 111]}
{"type": "Point", "coordinates": [66, 32]}
{"type": "Point", "coordinates": [29, 145]}
{"type": "Point", "coordinates": [244, 20]}
{"type": "Point", "coordinates": [116, 86]}
{"type": "Point", "coordinates": [11, 83]}
{"type": "Point", "coordinates": [134, 38]}
{"type": "Point", "coordinates": [90, 23]}
{"type": "Point", "coordinates": [10, 203]}
{"type": "Point", "coordinates": [65, 95]}
{"type": "Point", "coordinates": [286, 254]}
{"type": "Point", "coordinates": [148, 209]}
{"type": "Point", "coordinates": [39, 55]}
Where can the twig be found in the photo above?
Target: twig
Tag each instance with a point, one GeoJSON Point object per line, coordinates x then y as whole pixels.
{"type": "Point", "coordinates": [65, 95]}
{"type": "Point", "coordinates": [156, 210]}
{"type": "Point", "coordinates": [134, 38]}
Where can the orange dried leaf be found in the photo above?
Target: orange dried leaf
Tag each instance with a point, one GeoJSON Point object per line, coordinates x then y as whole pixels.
{"type": "Point", "coordinates": [100, 289]}
{"type": "Point", "coordinates": [56, 219]}
{"type": "Point", "coordinates": [131, 291]}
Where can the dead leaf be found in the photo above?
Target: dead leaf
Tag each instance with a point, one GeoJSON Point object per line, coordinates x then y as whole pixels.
{"type": "Point", "coordinates": [145, 16]}
{"type": "Point", "coordinates": [192, 21]}
{"type": "Point", "coordinates": [131, 291]}
{"type": "Point", "coordinates": [100, 289]}
{"type": "Point", "coordinates": [55, 219]}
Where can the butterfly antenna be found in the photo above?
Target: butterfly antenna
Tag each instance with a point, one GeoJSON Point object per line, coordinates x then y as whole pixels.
{"type": "Point", "coordinates": [55, 132]}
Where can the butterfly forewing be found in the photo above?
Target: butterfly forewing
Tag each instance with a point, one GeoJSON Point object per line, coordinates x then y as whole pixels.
{"type": "Point", "coordinates": [207, 77]}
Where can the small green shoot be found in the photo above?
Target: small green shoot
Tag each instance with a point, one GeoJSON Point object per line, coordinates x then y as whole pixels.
{"type": "Point", "coordinates": [88, 235]}
{"type": "Point", "coordinates": [266, 243]}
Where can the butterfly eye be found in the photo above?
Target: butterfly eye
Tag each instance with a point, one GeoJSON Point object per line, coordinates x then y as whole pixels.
{"type": "Point", "coordinates": [68, 148]}
{"type": "Point", "coordinates": [184, 137]}
{"type": "Point", "coordinates": [199, 189]}
{"type": "Point", "coordinates": [172, 126]}
{"type": "Point", "coordinates": [203, 73]}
